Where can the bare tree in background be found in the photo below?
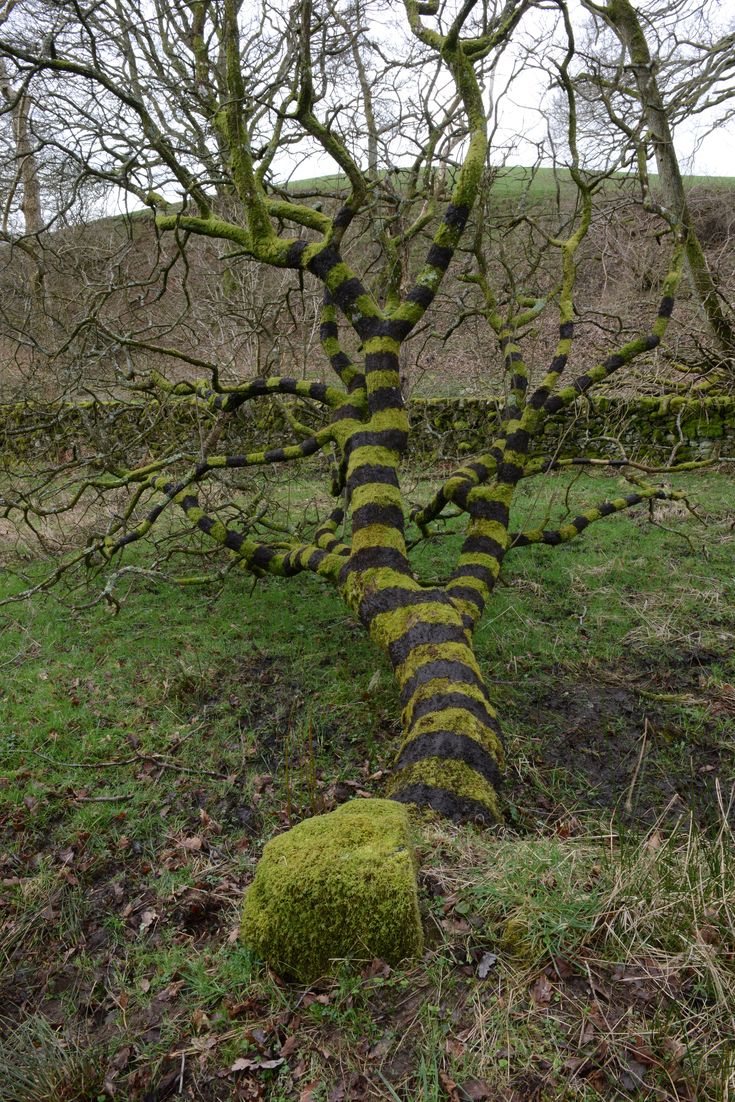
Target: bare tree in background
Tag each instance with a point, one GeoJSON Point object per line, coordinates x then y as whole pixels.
{"type": "Point", "coordinates": [674, 63]}
{"type": "Point", "coordinates": [23, 221]}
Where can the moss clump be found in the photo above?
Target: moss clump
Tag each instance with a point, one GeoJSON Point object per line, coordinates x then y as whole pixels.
{"type": "Point", "coordinates": [337, 886]}
{"type": "Point", "coordinates": [516, 939]}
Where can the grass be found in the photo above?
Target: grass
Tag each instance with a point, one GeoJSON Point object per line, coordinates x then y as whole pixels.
{"type": "Point", "coordinates": [585, 951]}
{"type": "Point", "coordinates": [512, 180]}
{"type": "Point", "coordinates": [42, 1065]}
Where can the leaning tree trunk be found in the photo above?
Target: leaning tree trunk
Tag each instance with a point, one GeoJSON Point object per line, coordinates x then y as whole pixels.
{"type": "Point", "coordinates": [624, 20]}
{"type": "Point", "coordinates": [452, 754]}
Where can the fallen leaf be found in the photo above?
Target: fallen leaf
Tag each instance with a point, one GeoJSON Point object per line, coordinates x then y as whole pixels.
{"type": "Point", "coordinates": [457, 927]}
{"type": "Point", "coordinates": [121, 1058]}
{"type": "Point", "coordinates": [633, 1079]}
{"type": "Point", "coordinates": [193, 844]}
{"type": "Point", "coordinates": [243, 1063]}
{"type": "Point", "coordinates": [587, 1034]}
{"type": "Point", "coordinates": [146, 921]}
{"type": "Point", "coordinates": [654, 841]}
{"type": "Point", "coordinates": [488, 961]}
{"type": "Point", "coordinates": [322, 1000]}
{"type": "Point", "coordinates": [378, 967]}
{"type": "Point", "coordinates": [541, 991]}
{"type": "Point", "coordinates": [597, 1079]}
{"type": "Point", "coordinates": [476, 1090]}
{"type": "Point", "coordinates": [675, 1048]}
{"type": "Point", "coordinates": [247, 1006]}
{"type": "Point", "coordinates": [208, 822]}
{"type": "Point", "coordinates": [563, 968]}
{"type": "Point", "coordinates": [708, 934]}
{"type": "Point", "coordinates": [289, 1045]}
{"type": "Point", "coordinates": [644, 1056]}
{"type": "Point", "coordinates": [449, 1086]}
{"type": "Point", "coordinates": [452, 1047]}
{"type": "Point", "coordinates": [170, 992]}
{"type": "Point", "coordinates": [258, 1037]}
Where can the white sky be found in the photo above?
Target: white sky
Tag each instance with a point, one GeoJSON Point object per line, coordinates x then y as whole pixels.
{"type": "Point", "coordinates": [701, 149]}
{"type": "Point", "coordinates": [705, 146]}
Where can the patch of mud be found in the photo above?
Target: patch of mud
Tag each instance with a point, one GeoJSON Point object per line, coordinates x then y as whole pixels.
{"type": "Point", "coordinates": [611, 747]}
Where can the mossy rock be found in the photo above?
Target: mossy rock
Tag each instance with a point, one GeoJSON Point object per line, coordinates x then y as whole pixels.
{"type": "Point", "coordinates": [338, 886]}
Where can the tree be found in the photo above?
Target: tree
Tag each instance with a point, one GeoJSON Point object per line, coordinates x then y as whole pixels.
{"type": "Point", "coordinates": [199, 101]}
{"type": "Point", "coordinates": [42, 198]}
{"type": "Point", "coordinates": [22, 189]}
{"type": "Point", "coordinates": [696, 70]}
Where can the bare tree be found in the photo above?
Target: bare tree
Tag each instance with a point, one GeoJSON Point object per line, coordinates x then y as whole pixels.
{"type": "Point", "coordinates": [22, 214]}
{"type": "Point", "coordinates": [672, 67]}
{"type": "Point", "coordinates": [189, 108]}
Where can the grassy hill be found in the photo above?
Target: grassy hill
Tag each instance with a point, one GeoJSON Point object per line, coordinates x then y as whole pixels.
{"type": "Point", "coordinates": [538, 182]}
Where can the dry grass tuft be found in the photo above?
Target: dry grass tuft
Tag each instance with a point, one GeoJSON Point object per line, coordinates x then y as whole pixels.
{"type": "Point", "coordinates": [37, 1064]}
{"type": "Point", "coordinates": [616, 958]}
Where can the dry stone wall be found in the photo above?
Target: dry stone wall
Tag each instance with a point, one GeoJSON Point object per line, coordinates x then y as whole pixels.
{"type": "Point", "coordinates": [606, 427]}
{"type": "Point", "coordinates": [443, 428]}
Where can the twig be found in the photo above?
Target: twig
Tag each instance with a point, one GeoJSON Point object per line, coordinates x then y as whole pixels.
{"type": "Point", "coordinates": [151, 759]}
{"type": "Point", "coordinates": [84, 764]}
{"type": "Point", "coordinates": [636, 771]}
{"type": "Point", "coordinates": [156, 759]}
{"type": "Point", "coordinates": [667, 698]}
{"type": "Point", "coordinates": [103, 799]}
{"type": "Point", "coordinates": [673, 531]}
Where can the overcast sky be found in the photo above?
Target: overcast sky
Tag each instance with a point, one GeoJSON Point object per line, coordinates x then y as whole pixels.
{"type": "Point", "coordinates": [706, 146]}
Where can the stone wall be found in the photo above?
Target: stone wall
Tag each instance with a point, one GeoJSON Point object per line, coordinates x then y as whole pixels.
{"type": "Point", "coordinates": [646, 427]}
{"type": "Point", "coordinates": [444, 428]}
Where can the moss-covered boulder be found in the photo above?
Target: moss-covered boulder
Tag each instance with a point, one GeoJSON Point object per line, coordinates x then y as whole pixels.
{"type": "Point", "coordinates": [338, 886]}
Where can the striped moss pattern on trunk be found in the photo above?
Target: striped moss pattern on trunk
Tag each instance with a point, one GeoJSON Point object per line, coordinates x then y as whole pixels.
{"type": "Point", "coordinates": [452, 753]}
{"type": "Point", "coordinates": [451, 756]}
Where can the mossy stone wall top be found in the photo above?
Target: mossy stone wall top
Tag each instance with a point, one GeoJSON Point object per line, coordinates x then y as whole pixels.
{"type": "Point", "coordinates": [443, 428]}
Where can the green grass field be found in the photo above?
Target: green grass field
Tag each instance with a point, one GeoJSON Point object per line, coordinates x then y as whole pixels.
{"type": "Point", "coordinates": [585, 951]}
{"type": "Point", "coordinates": [511, 180]}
